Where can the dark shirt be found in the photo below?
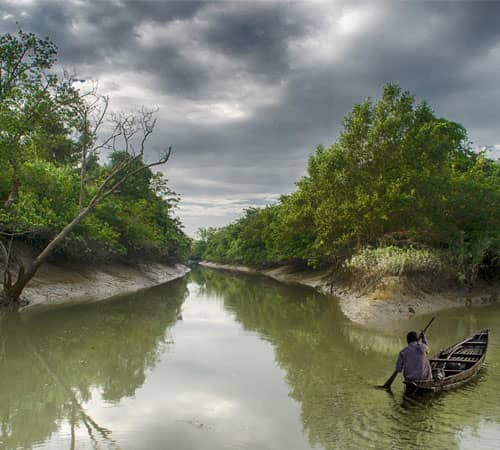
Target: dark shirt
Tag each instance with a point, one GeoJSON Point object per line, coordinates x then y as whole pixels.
{"type": "Point", "coordinates": [413, 363]}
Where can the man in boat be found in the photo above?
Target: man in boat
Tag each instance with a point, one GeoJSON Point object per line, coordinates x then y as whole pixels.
{"type": "Point", "coordinates": [412, 361]}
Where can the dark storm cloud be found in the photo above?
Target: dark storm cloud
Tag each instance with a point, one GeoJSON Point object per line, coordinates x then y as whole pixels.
{"type": "Point", "coordinates": [62, 23]}
{"type": "Point", "coordinates": [103, 33]}
{"type": "Point", "coordinates": [162, 11]}
{"type": "Point", "coordinates": [248, 89]}
{"type": "Point", "coordinates": [446, 53]}
{"type": "Point", "coordinates": [256, 33]}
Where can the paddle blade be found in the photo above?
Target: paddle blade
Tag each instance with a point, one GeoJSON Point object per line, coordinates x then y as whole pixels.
{"type": "Point", "coordinates": [388, 383]}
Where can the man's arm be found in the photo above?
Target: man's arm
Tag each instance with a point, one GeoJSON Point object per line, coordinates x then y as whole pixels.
{"type": "Point", "coordinates": [424, 343]}
{"type": "Point", "coordinates": [400, 362]}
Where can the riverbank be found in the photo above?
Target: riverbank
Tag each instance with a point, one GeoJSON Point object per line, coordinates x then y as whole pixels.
{"type": "Point", "coordinates": [58, 284]}
{"type": "Point", "coordinates": [376, 304]}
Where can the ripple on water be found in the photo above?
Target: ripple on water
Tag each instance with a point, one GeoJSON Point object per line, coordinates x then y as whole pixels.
{"type": "Point", "coordinates": [295, 373]}
{"type": "Point", "coordinates": [377, 420]}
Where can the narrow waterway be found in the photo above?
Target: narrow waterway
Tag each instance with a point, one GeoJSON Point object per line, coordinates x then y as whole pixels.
{"type": "Point", "coordinates": [226, 361]}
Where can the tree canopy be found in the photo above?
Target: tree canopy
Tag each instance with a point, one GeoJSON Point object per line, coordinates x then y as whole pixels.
{"type": "Point", "coordinates": [397, 173]}
{"type": "Point", "coordinates": [53, 158]}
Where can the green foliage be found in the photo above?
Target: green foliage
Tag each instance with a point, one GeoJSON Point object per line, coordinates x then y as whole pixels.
{"type": "Point", "coordinates": [399, 261]}
{"type": "Point", "coordinates": [395, 171]}
{"type": "Point", "coordinates": [139, 225]}
{"type": "Point", "coordinates": [46, 200]}
{"type": "Point", "coordinates": [40, 181]}
{"type": "Point", "coordinates": [389, 171]}
{"type": "Point", "coordinates": [35, 113]}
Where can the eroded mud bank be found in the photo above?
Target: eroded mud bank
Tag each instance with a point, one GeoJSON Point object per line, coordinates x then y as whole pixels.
{"type": "Point", "coordinates": [387, 300]}
{"type": "Point", "coordinates": [58, 284]}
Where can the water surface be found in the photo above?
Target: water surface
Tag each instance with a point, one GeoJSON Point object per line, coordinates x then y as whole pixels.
{"type": "Point", "coordinates": [225, 361]}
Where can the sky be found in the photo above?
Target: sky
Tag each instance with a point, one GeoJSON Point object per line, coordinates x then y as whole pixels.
{"type": "Point", "coordinates": [248, 89]}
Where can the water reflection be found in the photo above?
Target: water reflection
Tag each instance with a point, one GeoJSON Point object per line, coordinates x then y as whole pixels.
{"type": "Point", "coordinates": [331, 366]}
{"type": "Point", "coordinates": [224, 361]}
{"type": "Point", "coordinates": [51, 361]}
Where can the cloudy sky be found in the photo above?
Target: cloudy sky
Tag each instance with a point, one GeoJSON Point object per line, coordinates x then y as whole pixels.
{"type": "Point", "coordinates": [248, 89]}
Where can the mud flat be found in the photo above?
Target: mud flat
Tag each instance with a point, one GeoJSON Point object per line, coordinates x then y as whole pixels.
{"type": "Point", "coordinates": [377, 304]}
{"type": "Point", "coordinates": [58, 284]}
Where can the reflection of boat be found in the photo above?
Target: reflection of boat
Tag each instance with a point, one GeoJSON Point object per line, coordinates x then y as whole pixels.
{"type": "Point", "coordinates": [455, 365]}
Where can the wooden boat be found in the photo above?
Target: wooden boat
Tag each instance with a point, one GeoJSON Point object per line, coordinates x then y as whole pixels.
{"type": "Point", "coordinates": [454, 365]}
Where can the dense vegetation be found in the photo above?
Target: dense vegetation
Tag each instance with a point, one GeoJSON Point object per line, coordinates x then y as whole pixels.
{"type": "Point", "coordinates": [46, 125]}
{"type": "Point", "coordinates": [136, 221]}
{"type": "Point", "coordinates": [400, 190]}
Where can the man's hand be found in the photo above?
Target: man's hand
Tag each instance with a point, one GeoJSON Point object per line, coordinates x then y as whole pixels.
{"type": "Point", "coordinates": [424, 341]}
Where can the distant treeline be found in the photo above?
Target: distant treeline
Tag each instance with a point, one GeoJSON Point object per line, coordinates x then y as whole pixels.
{"type": "Point", "coordinates": [400, 191]}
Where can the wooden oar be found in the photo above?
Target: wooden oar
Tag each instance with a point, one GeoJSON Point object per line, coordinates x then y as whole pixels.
{"type": "Point", "coordinates": [388, 383]}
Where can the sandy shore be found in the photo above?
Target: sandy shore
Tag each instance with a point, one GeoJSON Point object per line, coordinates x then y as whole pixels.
{"type": "Point", "coordinates": [55, 284]}
{"type": "Point", "coordinates": [392, 298]}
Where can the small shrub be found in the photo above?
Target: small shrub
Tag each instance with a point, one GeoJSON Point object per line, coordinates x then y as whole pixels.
{"type": "Point", "coordinates": [386, 261]}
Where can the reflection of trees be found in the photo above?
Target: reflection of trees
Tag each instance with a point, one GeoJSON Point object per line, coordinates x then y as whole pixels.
{"type": "Point", "coordinates": [51, 360]}
{"type": "Point", "coordinates": [332, 365]}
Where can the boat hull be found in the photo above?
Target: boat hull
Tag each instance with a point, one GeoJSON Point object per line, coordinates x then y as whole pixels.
{"type": "Point", "coordinates": [460, 363]}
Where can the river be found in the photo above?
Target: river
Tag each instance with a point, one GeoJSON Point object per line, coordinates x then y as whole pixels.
{"type": "Point", "coordinates": [230, 361]}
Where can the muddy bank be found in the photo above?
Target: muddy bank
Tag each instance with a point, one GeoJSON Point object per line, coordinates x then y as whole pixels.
{"type": "Point", "coordinates": [57, 284]}
{"type": "Point", "coordinates": [385, 301]}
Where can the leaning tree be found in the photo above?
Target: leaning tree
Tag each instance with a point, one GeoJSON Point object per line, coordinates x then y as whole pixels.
{"type": "Point", "coordinates": [31, 98]}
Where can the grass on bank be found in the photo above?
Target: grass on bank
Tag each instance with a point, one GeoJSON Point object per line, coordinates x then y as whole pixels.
{"type": "Point", "coordinates": [458, 265]}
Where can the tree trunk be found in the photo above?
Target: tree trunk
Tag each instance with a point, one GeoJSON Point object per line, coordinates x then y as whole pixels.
{"type": "Point", "coordinates": [13, 192]}
{"type": "Point", "coordinates": [6, 279]}
{"type": "Point", "coordinates": [83, 172]}
{"type": "Point", "coordinates": [127, 127]}
{"type": "Point", "coordinates": [11, 294]}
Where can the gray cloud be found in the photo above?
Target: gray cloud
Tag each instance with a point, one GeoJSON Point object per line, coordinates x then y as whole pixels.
{"type": "Point", "coordinates": [256, 34]}
{"type": "Point", "coordinates": [248, 89]}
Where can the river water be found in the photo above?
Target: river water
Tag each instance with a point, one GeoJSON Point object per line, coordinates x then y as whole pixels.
{"type": "Point", "coordinates": [225, 361]}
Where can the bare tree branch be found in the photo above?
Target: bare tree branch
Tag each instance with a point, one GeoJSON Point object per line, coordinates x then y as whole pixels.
{"type": "Point", "coordinates": [5, 255]}
{"type": "Point", "coordinates": [162, 160]}
{"type": "Point", "coordinates": [125, 128]}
